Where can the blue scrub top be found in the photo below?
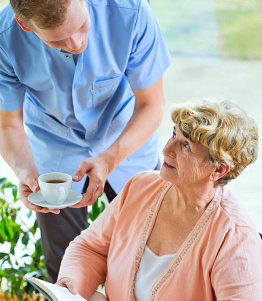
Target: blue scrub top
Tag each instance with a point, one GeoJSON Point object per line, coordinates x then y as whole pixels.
{"type": "Point", "coordinates": [75, 110]}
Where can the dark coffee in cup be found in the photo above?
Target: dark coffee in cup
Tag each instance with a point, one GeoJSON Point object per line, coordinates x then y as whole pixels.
{"type": "Point", "coordinates": [55, 181]}
{"type": "Point", "coordinates": [55, 187]}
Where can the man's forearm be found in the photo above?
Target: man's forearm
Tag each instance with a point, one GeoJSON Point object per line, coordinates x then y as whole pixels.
{"type": "Point", "coordinates": [147, 116]}
{"type": "Point", "coordinates": [140, 127]}
{"type": "Point", "coordinates": [15, 150]}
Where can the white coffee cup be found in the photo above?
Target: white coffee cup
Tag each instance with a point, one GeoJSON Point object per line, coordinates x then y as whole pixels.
{"type": "Point", "coordinates": [55, 187]}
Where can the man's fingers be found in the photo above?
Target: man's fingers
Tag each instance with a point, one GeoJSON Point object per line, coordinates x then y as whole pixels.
{"type": "Point", "coordinates": [94, 190]}
{"type": "Point", "coordinates": [28, 185]}
{"type": "Point", "coordinates": [91, 195]}
{"type": "Point", "coordinates": [24, 192]}
{"type": "Point", "coordinates": [84, 168]}
{"type": "Point", "coordinates": [86, 200]}
{"type": "Point", "coordinates": [31, 182]}
{"type": "Point", "coordinates": [97, 173]}
{"type": "Point", "coordinates": [79, 174]}
{"type": "Point", "coordinates": [38, 208]}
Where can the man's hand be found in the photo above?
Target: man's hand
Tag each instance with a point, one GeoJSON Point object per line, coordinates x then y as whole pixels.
{"type": "Point", "coordinates": [97, 169]}
{"type": "Point", "coordinates": [16, 151]}
{"type": "Point", "coordinates": [28, 184]}
{"type": "Point", "coordinates": [147, 115]}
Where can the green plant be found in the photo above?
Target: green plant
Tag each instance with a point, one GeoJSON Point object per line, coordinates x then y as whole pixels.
{"type": "Point", "coordinates": [96, 209]}
{"type": "Point", "coordinates": [17, 238]}
{"type": "Point", "coordinates": [21, 242]}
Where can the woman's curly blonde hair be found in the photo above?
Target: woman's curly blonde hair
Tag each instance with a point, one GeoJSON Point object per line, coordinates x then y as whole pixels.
{"type": "Point", "coordinates": [230, 136]}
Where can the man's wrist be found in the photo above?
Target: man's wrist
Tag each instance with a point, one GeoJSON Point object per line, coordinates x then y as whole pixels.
{"type": "Point", "coordinates": [23, 173]}
{"type": "Point", "coordinates": [109, 157]}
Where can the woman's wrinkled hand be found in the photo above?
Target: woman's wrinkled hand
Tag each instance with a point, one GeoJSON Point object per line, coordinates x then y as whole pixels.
{"type": "Point", "coordinates": [67, 283]}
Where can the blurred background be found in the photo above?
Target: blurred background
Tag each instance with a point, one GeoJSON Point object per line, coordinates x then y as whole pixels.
{"type": "Point", "coordinates": [216, 48]}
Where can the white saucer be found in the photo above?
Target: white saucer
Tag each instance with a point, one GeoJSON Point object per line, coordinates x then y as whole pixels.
{"type": "Point", "coordinates": [36, 198]}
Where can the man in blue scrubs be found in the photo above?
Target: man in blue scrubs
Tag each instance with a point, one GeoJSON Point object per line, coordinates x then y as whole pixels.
{"type": "Point", "coordinates": [80, 92]}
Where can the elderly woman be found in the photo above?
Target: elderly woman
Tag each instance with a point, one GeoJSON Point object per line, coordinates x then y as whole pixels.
{"type": "Point", "coordinates": [179, 235]}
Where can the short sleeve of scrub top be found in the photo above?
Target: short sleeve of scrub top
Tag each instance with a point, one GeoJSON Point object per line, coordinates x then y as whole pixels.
{"type": "Point", "coordinates": [143, 69]}
{"type": "Point", "coordinates": [12, 91]}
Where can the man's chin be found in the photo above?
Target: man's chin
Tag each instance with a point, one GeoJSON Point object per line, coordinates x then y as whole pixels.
{"type": "Point", "coordinates": [78, 51]}
{"type": "Point", "coordinates": [75, 51]}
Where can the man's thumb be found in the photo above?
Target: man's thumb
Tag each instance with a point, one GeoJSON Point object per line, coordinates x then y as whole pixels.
{"type": "Point", "coordinates": [78, 176]}
{"type": "Point", "coordinates": [33, 184]}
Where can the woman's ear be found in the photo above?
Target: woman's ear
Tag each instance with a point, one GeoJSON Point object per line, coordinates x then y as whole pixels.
{"type": "Point", "coordinates": [220, 170]}
{"type": "Point", "coordinates": [22, 25]}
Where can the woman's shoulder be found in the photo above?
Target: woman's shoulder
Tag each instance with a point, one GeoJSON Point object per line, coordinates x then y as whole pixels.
{"type": "Point", "coordinates": [143, 185]}
{"type": "Point", "coordinates": [233, 208]}
{"type": "Point", "coordinates": [232, 228]}
{"type": "Point", "coordinates": [233, 215]}
{"type": "Point", "coordinates": [148, 177]}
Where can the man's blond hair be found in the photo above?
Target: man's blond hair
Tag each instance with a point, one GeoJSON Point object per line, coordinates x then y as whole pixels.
{"type": "Point", "coordinates": [47, 14]}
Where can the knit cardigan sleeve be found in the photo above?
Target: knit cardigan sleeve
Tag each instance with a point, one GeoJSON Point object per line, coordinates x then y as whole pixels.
{"type": "Point", "coordinates": [85, 259]}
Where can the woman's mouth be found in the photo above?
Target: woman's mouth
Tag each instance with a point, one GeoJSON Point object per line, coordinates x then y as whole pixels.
{"type": "Point", "coordinates": [167, 165]}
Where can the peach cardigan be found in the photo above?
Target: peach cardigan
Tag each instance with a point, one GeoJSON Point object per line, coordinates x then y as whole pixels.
{"type": "Point", "coordinates": [221, 259]}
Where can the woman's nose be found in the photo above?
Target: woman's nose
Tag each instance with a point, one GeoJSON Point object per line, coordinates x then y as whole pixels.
{"type": "Point", "coordinates": [170, 148]}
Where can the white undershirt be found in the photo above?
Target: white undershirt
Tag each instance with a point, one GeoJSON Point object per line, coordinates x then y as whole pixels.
{"type": "Point", "coordinates": [151, 267]}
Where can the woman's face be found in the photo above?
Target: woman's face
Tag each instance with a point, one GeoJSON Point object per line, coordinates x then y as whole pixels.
{"type": "Point", "coordinates": [184, 161]}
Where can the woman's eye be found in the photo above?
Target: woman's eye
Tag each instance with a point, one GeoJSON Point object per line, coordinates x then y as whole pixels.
{"type": "Point", "coordinates": [174, 135]}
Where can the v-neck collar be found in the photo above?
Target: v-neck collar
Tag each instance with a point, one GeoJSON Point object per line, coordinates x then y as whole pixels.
{"type": "Point", "coordinates": [182, 251]}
